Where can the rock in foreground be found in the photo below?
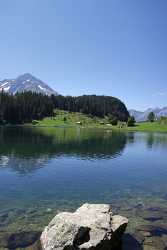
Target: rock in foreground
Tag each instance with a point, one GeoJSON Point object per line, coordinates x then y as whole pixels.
{"type": "Point", "coordinates": [92, 226]}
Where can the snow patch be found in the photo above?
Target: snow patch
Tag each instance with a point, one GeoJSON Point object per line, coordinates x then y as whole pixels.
{"type": "Point", "coordinates": [4, 161]}
{"type": "Point", "coordinates": [4, 84]}
{"type": "Point", "coordinates": [41, 87]}
{"type": "Point", "coordinates": [6, 89]}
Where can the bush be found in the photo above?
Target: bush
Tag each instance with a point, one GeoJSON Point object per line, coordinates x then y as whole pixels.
{"type": "Point", "coordinates": [131, 121]}
{"type": "Point", "coordinates": [34, 122]}
{"type": "Point", "coordinates": [65, 119]}
{"type": "Point", "coordinates": [114, 121]}
{"type": "Point", "coordinates": [162, 120]}
{"type": "Point", "coordinates": [151, 117]}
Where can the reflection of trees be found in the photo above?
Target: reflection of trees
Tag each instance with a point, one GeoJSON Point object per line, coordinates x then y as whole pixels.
{"type": "Point", "coordinates": [150, 140]}
{"type": "Point", "coordinates": [155, 139]}
{"type": "Point", "coordinates": [26, 149]}
{"type": "Point", "coordinates": [131, 137]}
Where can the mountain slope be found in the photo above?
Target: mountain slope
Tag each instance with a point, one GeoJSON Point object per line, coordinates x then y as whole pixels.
{"type": "Point", "coordinates": [26, 82]}
{"type": "Point", "coordinates": [142, 116]}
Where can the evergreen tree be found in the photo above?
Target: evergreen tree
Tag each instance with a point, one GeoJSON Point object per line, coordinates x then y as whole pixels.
{"type": "Point", "coordinates": [28, 106]}
{"type": "Point", "coordinates": [131, 121]}
{"type": "Point", "coordinates": [151, 117]}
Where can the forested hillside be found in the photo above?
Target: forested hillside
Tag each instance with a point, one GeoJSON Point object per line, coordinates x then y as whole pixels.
{"type": "Point", "coordinates": [92, 104]}
{"type": "Point", "coordinates": [24, 107]}
{"type": "Point", "coordinates": [27, 106]}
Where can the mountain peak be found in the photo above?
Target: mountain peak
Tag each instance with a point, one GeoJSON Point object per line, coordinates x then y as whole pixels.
{"type": "Point", "coordinates": [143, 115]}
{"type": "Point", "coordinates": [26, 82]}
{"type": "Point", "coordinates": [26, 75]}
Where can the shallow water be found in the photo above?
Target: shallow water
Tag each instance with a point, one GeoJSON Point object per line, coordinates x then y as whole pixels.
{"type": "Point", "coordinates": [47, 170]}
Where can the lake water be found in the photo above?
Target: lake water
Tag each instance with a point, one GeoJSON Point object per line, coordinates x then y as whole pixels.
{"type": "Point", "coordinates": [47, 170]}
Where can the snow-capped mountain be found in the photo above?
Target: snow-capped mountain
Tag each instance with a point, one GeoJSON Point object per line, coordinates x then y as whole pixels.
{"type": "Point", "coordinates": [143, 115]}
{"type": "Point", "coordinates": [24, 83]}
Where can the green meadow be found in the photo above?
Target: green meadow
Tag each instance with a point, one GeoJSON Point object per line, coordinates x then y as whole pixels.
{"type": "Point", "coordinates": [68, 119]}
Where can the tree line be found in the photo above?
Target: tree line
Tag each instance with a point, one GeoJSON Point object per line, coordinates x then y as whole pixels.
{"type": "Point", "coordinates": [28, 106]}
{"type": "Point", "coordinates": [24, 107]}
{"type": "Point", "coordinates": [94, 105]}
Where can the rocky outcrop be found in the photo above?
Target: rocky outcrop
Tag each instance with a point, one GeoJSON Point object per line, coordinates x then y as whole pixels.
{"type": "Point", "coordinates": [92, 226]}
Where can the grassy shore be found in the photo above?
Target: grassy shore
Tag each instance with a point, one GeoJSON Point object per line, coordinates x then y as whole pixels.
{"type": "Point", "coordinates": [149, 126]}
{"type": "Point", "coordinates": [66, 119]}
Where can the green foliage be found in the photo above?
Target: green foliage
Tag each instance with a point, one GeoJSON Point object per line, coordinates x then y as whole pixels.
{"type": "Point", "coordinates": [151, 117]}
{"type": "Point", "coordinates": [162, 120]}
{"type": "Point", "coordinates": [65, 119]}
{"type": "Point", "coordinates": [28, 106]}
{"type": "Point", "coordinates": [34, 122]}
{"type": "Point", "coordinates": [131, 121]}
{"type": "Point", "coordinates": [92, 105]}
{"type": "Point", "coordinates": [24, 107]}
{"type": "Point", "coordinates": [149, 126]}
{"type": "Point", "coordinates": [112, 120]}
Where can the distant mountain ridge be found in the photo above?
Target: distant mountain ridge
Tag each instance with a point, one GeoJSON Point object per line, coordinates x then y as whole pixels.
{"type": "Point", "coordinates": [26, 82]}
{"type": "Point", "coordinates": [143, 115]}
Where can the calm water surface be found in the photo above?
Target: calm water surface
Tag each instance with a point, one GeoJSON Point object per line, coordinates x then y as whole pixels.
{"type": "Point", "coordinates": [46, 170]}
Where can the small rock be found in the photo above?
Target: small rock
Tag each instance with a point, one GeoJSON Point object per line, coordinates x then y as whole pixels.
{"type": "Point", "coordinates": [155, 242]}
{"type": "Point", "coordinates": [155, 230]}
{"type": "Point", "coordinates": [48, 210]}
{"type": "Point", "coordinates": [146, 234]}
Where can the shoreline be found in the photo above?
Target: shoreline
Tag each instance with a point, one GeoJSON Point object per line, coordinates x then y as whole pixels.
{"type": "Point", "coordinates": [136, 128]}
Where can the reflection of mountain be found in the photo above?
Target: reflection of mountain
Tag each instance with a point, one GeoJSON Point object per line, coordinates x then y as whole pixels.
{"type": "Point", "coordinates": [23, 165]}
{"type": "Point", "coordinates": [26, 149]}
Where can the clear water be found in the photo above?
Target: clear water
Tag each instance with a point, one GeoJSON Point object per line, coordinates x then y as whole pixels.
{"type": "Point", "coordinates": [47, 170]}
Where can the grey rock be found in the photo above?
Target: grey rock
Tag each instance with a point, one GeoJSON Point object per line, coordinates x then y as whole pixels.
{"type": "Point", "coordinates": [92, 226]}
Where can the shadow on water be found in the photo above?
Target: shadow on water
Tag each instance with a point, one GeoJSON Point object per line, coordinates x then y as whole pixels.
{"type": "Point", "coordinates": [25, 149]}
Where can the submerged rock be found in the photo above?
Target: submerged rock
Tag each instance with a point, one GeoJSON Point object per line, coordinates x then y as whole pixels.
{"type": "Point", "coordinates": [92, 226]}
{"type": "Point", "coordinates": [132, 242]}
{"type": "Point", "coordinates": [153, 230]}
{"type": "Point", "coordinates": [18, 240]}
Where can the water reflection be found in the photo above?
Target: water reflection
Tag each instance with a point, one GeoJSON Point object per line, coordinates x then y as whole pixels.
{"type": "Point", "coordinates": [26, 149]}
{"type": "Point", "coordinates": [156, 139]}
{"type": "Point", "coordinates": [46, 170]}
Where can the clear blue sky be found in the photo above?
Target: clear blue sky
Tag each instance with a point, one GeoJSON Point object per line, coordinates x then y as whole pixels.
{"type": "Point", "coordinates": [110, 47]}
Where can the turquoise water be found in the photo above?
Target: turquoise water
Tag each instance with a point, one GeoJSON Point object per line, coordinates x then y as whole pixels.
{"type": "Point", "coordinates": [47, 170]}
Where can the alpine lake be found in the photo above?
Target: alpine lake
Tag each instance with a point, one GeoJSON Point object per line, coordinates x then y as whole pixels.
{"type": "Point", "coordinates": [47, 170]}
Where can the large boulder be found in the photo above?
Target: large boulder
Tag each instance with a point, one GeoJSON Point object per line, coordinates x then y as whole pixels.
{"type": "Point", "coordinates": [92, 226]}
